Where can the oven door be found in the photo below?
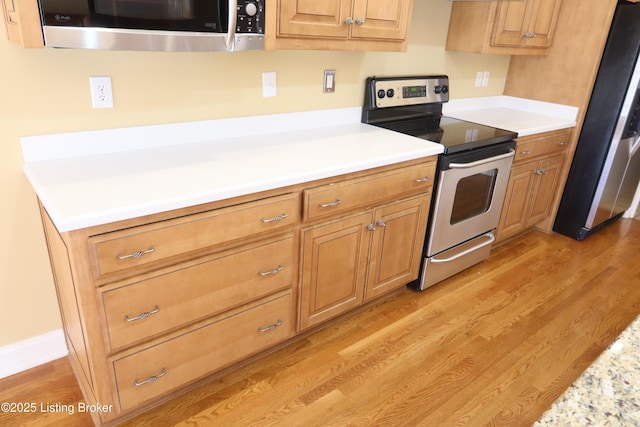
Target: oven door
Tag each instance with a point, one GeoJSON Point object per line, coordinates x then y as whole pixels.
{"type": "Point", "coordinates": [469, 197]}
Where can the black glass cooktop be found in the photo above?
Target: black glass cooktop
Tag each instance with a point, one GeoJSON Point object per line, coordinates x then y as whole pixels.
{"type": "Point", "coordinates": [456, 135]}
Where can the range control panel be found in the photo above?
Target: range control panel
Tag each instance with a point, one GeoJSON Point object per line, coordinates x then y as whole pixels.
{"type": "Point", "coordinates": [395, 92]}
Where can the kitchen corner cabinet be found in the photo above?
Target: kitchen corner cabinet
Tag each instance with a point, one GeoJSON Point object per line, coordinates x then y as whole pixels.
{"type": "Point", "coordinates": [22, 19]}
{"type": "Point", "coordinates": [372, 25]}
{"type": "Point", "coordinates": [353, 257]}
{"type": "Point", "coordinates": [534, 182]}
{"type": "Point", "coordinates": [153, 306]}
{"type": "Point", "coordinates": [503, 27]}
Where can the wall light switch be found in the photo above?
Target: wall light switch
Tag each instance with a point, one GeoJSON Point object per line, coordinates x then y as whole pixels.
{"type": "Point", "coordinates": [329, 85]}
{"type": "Point", "coordinates": [269, 84]}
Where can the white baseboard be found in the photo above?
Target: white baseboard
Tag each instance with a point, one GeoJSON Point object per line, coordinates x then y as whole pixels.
{"type": "Point", "coordinates": [32, 352]}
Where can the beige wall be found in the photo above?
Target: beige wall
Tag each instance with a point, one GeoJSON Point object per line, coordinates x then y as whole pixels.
{"type": "Point", "coordinates": [47, 91]}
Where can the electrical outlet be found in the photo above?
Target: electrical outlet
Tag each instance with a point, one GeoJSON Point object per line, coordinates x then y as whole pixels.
{"type": "Point", "coordinates": [269, 84]}
{"type": "Point", "coordinates": [485, 78]}
{"type": "Point", "coordinates": [101, 94]}
{"type": "Point", "coordinates": [329, 85]}
{"type": "Point", "coordinates": [479, 75]}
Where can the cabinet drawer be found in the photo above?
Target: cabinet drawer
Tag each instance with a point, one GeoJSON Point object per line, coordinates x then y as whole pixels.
{"type": "Point", "coordinates": [346, 195]}
{"type": "Point", "coordinates": [168, 301]}
{"type": "Point", "coordinates": [160, 369]}
{"type": "Point", "coordinates": [539, 145]}
{"type": "Point", "coordinates": [146, 244]}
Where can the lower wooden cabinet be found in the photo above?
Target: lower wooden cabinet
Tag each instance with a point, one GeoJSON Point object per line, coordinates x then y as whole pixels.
{"type": "Point", "coordinates": [360, 257]}
{"type": "Point", "coordinates": [534, 182]}
{"type": "Point", "coordinates": [162, 368]}
{"type": "Point", "coordinates": [153, 305]}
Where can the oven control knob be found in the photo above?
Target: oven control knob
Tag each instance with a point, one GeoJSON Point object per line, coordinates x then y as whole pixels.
{"type": "Point", "coordinates": [390, 93]}
{"type": "Point", "coordinates": [381, 93]}
{"type": "Point", "coordinates": [437, 89]}
{"type": "Point", "coordinates": [445, 89]}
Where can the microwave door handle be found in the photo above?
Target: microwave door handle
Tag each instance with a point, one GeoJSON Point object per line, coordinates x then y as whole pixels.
{"type": "Point", "coordinates": [231, 31]}
{"type": "Point", "coordinates": [511, 153]}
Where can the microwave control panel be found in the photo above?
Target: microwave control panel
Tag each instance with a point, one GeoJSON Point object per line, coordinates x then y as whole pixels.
{"type": "Point", "coordinates": [250, 17]}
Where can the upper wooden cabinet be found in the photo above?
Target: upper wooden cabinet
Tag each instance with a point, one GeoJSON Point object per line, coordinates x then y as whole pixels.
{"type": "Point", "coordinates": [22, 19]}
{"type": "Point", "coordinates": [338, 24]}
{"type": "Point", "coordinates": [503, 27]}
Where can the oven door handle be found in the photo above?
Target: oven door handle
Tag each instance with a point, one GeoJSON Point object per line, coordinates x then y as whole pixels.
{"type": "Point", "coordinates": [511, 153]}
{"type": "Point", "coordinates": [491, 237]}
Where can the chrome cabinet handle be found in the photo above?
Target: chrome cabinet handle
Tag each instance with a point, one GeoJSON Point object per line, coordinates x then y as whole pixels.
{"type": "Point", "coordinates": [360, 21]}
{"type": "Point", "coordinates": [526, 153]}
{"type": "Point", "coordinates": [275, 218]}
{"type": "Point", "coordinates": [328, 205]}
{"type": "Point", "coordinates": [381, 223]}
{"type": "Point", "coordinates": [563, 143]}
{"type": "Point", "coordinates": [137, 254]}
{"type": "Point", "coordinates": [541, 172]}
{"type": "Point", "coordinates": [349, 20]}
{"type": "Point", "coordinates": [142, 315]}
{"type": "Point", "coordinates": [151, 379]}
{"type": "Point", "coordinates": [529, 35]}
{"type": "Point", "coordinates": [371, 227]}
{"type": "Point", "coordinates": [274, 271]}
{"type": "Point", "coordinates": [270, 327]}
{"type": "Point", "coordinates": [425, 179]}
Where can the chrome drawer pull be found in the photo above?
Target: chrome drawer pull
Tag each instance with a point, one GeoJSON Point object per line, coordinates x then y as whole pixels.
{"type": "Point", "coordinates": [137, 254]}
{"type": "Point", "coordinates": [328, 205]}
{"type": "Point", "coordinates": [563, 143]}
{"type": "Point", "coordinates": [541, 172]}
{"type": "Point", "coordinates": [143, 315]}
{"type": "Point", "coordinates": [381, 223]}
{"type": "Point", "coordinates": [526, 153]}
{"type": "Point", "coordinates": [275, 218]}
{"type": "Point", "coordinates": [425, 179]}
{"type": "Point", "coordinates": [274, 271]}
{"type": "Point", "coordinates": [151, 379]}
{"type": "Point", "coordinates": [270, 328]}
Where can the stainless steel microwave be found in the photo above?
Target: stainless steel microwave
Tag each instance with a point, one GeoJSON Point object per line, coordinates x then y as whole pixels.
{"type": "Point", "coordinates": [154, 25]}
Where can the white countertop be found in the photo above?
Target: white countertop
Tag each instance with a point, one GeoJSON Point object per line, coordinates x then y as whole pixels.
{"type": "Point", "coordinates": [96, 177]}
{"type": "Point", "coordinates": [527, 117]}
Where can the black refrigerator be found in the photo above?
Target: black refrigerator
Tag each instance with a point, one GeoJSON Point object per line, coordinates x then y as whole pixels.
{"type": "Point", "coordinates": [605, 172]}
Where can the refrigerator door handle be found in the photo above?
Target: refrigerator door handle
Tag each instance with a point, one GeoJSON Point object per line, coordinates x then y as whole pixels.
{"type": "Point", "coordinates": [633, 149]}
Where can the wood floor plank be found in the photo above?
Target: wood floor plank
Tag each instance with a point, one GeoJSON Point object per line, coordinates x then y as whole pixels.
{"type": "Point", "coordinates": [493, 345]}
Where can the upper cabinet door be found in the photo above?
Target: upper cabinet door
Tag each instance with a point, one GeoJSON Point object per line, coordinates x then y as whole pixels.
{"type": "Point", "coordinates": [314, 18]}
{"type": "Point", "coordinates": [528, 23]}
{"type": "Point", "coordinates": [543, 23]}
{"type": "Point", "coordinates": [512, 21]}
{"type": "Point", "coordinates": [380, 19]}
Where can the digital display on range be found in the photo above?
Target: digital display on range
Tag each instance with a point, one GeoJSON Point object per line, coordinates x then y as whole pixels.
{"type": "Point", "coordinates": [414, 91]}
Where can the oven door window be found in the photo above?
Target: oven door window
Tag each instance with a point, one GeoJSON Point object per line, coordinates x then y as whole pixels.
{"type": "Point", "coordinates": [473, 196]}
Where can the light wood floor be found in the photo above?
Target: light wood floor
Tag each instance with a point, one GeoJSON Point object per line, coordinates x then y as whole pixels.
{"type": "Point", "coordinates": [495, 345]}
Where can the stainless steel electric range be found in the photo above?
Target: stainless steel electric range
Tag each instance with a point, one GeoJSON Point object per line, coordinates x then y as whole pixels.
{"type": "Point", "coordinates": [472, 174]}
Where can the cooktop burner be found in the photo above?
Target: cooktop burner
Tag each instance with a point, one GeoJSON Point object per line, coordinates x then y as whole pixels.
{"type": "Point", "coordinates": [413, 105]}
{"type": "Point", "coordinates": [456, 135]}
